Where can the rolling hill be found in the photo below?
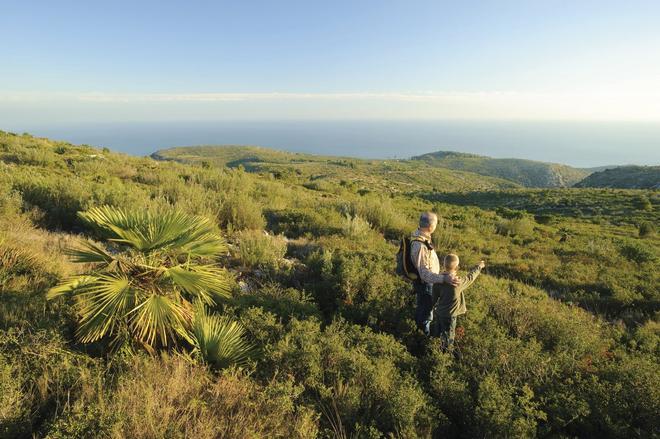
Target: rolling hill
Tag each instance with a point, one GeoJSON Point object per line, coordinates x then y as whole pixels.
{"type": "Point", "coordinates": [392, 176]}
{"type": "Point", "coordinates": [527, 173]}
{"type": "Point", "coordinates": [624, 177]}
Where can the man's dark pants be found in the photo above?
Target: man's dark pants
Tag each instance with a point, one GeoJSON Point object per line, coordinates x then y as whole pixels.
{"type": "Point", "coordinates": [424, 306]}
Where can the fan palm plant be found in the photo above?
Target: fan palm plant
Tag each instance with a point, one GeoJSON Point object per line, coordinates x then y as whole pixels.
{"type": "Point", "coordinates": [219, 340]}
{"type": "Point", "coordinates": [143, 284]}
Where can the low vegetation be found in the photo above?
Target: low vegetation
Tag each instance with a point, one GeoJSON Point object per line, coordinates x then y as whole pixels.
{"type": "Point", "coordinates": [527, 173]}
{"type": "Point", "coordinates": [290, 261]}
{"type": "Point", "coordinates": [629, 177]}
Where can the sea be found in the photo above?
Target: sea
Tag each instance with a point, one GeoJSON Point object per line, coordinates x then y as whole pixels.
{"type": "Point", "coordinates": [579, 144]}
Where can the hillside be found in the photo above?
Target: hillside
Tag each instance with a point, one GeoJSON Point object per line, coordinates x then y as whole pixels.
{"type": "Point", "coordinates": [561, 337]}
{"type": "Point", "coordinates": [399, 176]}
{"type": "Point", "coordinates": [624, 177]}
{"type": "Point", "coordinates": [527, 173]}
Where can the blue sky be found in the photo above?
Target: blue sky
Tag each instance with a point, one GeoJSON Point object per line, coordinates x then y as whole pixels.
{"type": "Point", "coordinates": [567, 60]}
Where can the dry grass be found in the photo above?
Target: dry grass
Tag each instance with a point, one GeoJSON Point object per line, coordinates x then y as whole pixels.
{"type": "Point", "coordinates": [171, 398]}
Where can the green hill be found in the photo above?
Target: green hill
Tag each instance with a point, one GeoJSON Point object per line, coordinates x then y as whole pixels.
{"type": "Point", "coordinates": [382, 176]}
{"type": "Point", "coordinates": [625, 177]}
{"type": "Point", "coordinates": [527, 173]}
{"type": "Point", "coordinates": [561, 337]}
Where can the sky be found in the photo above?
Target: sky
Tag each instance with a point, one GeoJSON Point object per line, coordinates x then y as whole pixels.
{"type": "Point", "coordinates": [323, 60]}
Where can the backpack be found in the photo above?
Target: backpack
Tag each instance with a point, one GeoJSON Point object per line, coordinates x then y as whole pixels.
{"type": "Point", "coordinates": [404, 265]}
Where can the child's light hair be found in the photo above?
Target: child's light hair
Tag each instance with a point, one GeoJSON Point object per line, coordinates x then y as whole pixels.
{"type": "Point", "coordinates": [451, 261]}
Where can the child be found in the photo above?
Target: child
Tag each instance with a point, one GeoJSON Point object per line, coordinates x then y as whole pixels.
{"type": "Point", "coordinates": [450, 301]}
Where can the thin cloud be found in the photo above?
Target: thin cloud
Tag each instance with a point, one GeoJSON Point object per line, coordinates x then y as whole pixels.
{"type": "Point", "coordinates": [229, 97]}
{"type": "Point", "coordinates": [593, 105]}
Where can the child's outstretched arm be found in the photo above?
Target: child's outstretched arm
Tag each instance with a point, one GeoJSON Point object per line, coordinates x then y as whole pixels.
{"type": "Point", "coordinates": [472, 275]}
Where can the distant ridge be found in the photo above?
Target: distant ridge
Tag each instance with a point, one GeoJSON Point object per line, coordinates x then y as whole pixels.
{"type": "Point", "coordinates": [528, 173]}
{"type": "Point", "coordinates": [377, 174]}
{"type": "Point", "coordinates": [624, 177]}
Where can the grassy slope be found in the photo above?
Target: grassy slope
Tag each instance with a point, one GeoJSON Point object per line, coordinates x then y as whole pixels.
{"type": "Point", "coordinates": [626, 177]}
{"type": "Point", "coordinates": [373, 175]}
{"type": "Point", "coordinates": [526, 357]}
{"type": "Point", "coordinates": [613, 215]}
{"type": "Point", "coordinates": [527, 173]}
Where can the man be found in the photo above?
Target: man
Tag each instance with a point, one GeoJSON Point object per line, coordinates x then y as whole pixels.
{"type": "Point", "coordinates": [426, 261]}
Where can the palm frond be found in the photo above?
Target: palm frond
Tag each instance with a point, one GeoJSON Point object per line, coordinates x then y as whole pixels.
{"type": "Point", "coordinates": [103, 304]}
{"type": "Point", "coordinates": [159, 320]}
{"type": "Point", "coordinates": [146, 231]}
{"type": "Point", "coordinates": [89, 253]}
{"type": "Point", "coordinates": [187, 234]}
{"type": "Point", "coordinates": [205, 282]}
{"type": "Point", "coordinates": [71, 285]}
{"type": "Point", "coordinates": [137, 294]}
{"type": "Point", "coordinates": [220, 341]}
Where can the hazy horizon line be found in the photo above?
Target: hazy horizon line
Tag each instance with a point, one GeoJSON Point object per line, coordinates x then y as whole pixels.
{"type": "Point", "coordinates": [585, 105]}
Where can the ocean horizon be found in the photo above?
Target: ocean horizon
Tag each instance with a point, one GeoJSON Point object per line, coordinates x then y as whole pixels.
{"type": "Point", "coordinates": [579, 144]}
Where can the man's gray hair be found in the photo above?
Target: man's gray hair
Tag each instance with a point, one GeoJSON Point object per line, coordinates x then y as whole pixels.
{"type": "Point", "coordinates": [426, 219]}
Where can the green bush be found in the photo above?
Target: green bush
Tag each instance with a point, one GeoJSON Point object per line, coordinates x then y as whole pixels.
{"type": "Point", "coordinates": [359, 377]}
{"type": "Point", "coordinates": [646, 230]}
{"type": "Point", "coordinates": [19, 267]}
{"type": "Point", "coordinates": [169, 397]}
{"type": "Point", "coordinates": [637, 252]}
{"type": "Point", "coordinates": [297, 222]}
{"type": "Point", "coordinates": [39, 377]}
{"type": "Point", "coordinates": [283, 302]}
{"type": "Point", "coordinates": [10, 202]}
{"type": "Point", "coordinates": [239, 212]}
{"type": "Point", "coordinates": [642, 202]}
{"type": "Point", "coordinates": [519, 227]}
{"type": "Point", "coordinates": [259, 249]}
{"type": "Point", "coordinates": [647, 338]}
{"type": "Point", "coordinates": [60, 199]}
{"type": "Point", "coordinates": [355, 227]}
{"type": "Point", "coordinates": [503, 412]}
{"type": "Point", "coordinates": [380, 213]}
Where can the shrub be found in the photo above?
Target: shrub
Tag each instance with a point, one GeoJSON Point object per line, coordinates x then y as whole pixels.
{"type": "Point", "coordinates": [646, 230]}
{"type": "Point", "coordinates": [545, 219]}
{"type": "Point", "coordinates": [520, 227]}
{"type": "Point", "coordinates": [323, 186]}
{"type": "Point", "coordinates": [60, 199]}
{"type": "Point", "coordinates": [259, 249]}
{"type": "Point", "coordinates": [359, 377]}
{"type": "Point", "coordinates": [14, 402]}
{"type": "Point", "coordinates": [17, 262]}
{"type": "Point", "coordinates": [637, 252]}
{"type": "Point", "coordinates": [355, 227]}
{"type": "Point", "coordinates": [379, 212]}
{"type": "Point", "coordinates": [642, 202]}
{"type": "Point", "coordinates": [647, 337]}
{"type": "Point", "coordinates": [240, 212]}
{"type": "Point", "coordinates": [283, 302]}
{"type": "Point", "coordinates": [507, 213]}
{"type": "Point", "coordinates": [297, 222]}
{"type": "Point", "coordinates": [10, 202]}
{"type": "Point", "coordinates": [503, 413]}
{"type": "Point", "coordinates": [38, 378]}
{"type": "Point", "coordinates": [169, 397]}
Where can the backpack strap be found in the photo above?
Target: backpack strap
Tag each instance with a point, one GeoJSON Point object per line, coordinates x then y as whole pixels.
{"type": "Point", "coordinates": [428, 244]}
